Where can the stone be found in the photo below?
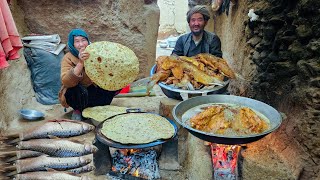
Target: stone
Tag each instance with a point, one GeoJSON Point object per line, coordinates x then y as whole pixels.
{"type": "Point", "coordinates": [273, 57]}
{"type": "Point", "coordinates": [284, 69]}
{"type": "Point", "coordinates": [284, 55]}
{"type": "Point", "coordinates": [298, 51]}
{"type": "Point", "coordinates": [199, 159]}
{"type": "Point", "coordinates": [315, 82]}
{"type": "Point", "coordinates": [254, 41]}
{"type": "Point", "coordinates": [287, 39]}
{"type": "Point", "coordinates": [263, 54]}
{"type": "Point", "coordinates": [261, 163]}
{"type": "Point", "coordinates": [269, 32]}
{"type": "Point", "coordinates": [309, 68]}
{"type": "Point", "coordinates": [304, 31]}
{"type": "Point", "coordinates": [314, 45]}
{"type": "Point", "coordinates": [166, 107]}
{"type": "Point", "coordinates": [277, 20]}
{"type": "Point", "coordinates": [256, 56]}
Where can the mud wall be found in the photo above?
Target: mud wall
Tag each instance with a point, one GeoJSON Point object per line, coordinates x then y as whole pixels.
{"type": "Point", "coordinates": [278, 55]}
{"type": "Point", "coordinates": [132, 23]}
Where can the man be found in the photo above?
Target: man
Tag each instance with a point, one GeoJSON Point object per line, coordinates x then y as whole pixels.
{"type": "Point", "coordinates": [199, 40]}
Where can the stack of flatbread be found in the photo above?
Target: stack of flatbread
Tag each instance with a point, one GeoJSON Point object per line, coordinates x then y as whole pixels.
{"type": "Point", "coordinates": [110, 65]}
{"type": "Point", "coordinates": [137, 128]}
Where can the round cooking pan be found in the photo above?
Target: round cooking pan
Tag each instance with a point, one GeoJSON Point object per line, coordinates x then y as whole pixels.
{"type": "Point", "coordinates": [103, 139]}
{"type": "Point", "coordinates": [183, 110]}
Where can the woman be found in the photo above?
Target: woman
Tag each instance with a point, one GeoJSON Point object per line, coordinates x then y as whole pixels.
{"type": "Point", "coordinates": [78, 91]}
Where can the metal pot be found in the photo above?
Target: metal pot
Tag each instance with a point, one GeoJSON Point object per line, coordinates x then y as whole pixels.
{"type": "Point", "coordinates": [175, 93]}
{"type": "Point", "coordinates": [272, 114]}
{"type": "Point", "coordinates": [103, 139]}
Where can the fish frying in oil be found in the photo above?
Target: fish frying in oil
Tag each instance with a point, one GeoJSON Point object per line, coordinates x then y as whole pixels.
{"type": "Point", "coordinates": [229, 120]}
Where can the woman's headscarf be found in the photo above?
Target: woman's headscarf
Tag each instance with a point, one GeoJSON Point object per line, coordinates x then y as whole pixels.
{"type": "Point", "coordinates": [72, 34]}
{"type": "Point", "coordinates": [199, 9]}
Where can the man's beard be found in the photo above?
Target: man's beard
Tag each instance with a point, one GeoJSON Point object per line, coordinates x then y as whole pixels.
{"type": "Point", "coordinates": [197, 33]}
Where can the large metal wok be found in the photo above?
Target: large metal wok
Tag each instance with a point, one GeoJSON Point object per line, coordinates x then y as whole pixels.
{"type": "Point", "coordinates": [103, 139]}
{"type": "Point", "coordinates": [183, 111]}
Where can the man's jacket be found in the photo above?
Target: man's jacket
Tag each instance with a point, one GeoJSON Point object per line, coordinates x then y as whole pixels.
{"type": "Point", "coordinates": [210, 43]}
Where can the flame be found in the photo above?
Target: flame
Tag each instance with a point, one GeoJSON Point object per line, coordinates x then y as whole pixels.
{"type": "Point", "coordinates": [136, 173]}
{"type": "Point", "coordinates": [128, 152]}
{"type": "Point", "coordinates": [225, 156]}
{"type": "Point", "coordinates": [127, 163]}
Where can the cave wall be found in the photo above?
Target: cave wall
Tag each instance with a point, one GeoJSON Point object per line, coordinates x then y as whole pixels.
{"type": "Point", "coordinates": [16, 89]}
{"type": "Point", "coordinates": [278, 56]}
{"type": "Point", "coordinates": [131, 23]}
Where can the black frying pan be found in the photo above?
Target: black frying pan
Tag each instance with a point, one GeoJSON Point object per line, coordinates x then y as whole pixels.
{"type": "Point", "coordinates": [180, 113]}
{"type": "Point", "coordinates": [103, 139]}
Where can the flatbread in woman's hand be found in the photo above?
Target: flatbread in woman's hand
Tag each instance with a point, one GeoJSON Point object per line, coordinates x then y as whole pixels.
{"type": "Point", "coordinates": [111, 65]}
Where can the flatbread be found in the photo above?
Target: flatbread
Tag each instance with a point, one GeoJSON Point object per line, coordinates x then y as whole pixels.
{"type": "Point", "coordinates": [100, 113]}
{"type": "Point", "coordinates": [110, 65]}
{"type": "Point", "coordinates": [138, 128]}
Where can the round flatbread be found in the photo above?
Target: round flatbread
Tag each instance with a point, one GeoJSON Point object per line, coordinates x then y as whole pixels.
{"type": "Point", "coordinates": [137, 128]}
{"type": "Point", "coordinates": [111, 65]}
{"type": "Point", "coordinates": [100, 113]}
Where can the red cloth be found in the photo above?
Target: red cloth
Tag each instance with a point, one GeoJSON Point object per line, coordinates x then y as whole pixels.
{"type": "Point", "coordinates": [10, 40]}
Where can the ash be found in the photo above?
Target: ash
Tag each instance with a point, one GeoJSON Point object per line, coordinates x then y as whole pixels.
{"type": "Point", "coordinates": [140, 164]}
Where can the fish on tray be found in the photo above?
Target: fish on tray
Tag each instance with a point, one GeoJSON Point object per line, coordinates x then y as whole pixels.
{"type": "Point", "coordinates": [53, 128]}
{"type": "Point", "coordinates": [87, 168]}
{"type": "Point", "coordinates": [57, 147]}
{"type": "Point", "coordinates": [43, 163]}
{"type": "Point", "coordinates": [50, 175]}
{"type": "Point", "coordinates": [21, 154]}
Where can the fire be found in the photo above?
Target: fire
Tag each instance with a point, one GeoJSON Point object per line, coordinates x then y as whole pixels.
{"type": "Point", "coordinates": [225, 159]}
{"type": "Point", "coordinates": [140, 163]}
{"type": "Point", "coordinates": [136, 173]}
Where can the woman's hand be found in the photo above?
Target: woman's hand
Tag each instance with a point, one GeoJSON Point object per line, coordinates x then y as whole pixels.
{"type": "Point", "coordinates": [83, 55]}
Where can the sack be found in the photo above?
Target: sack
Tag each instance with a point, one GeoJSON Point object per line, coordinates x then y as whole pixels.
{"type": "Point", "coordinates": [45, 70]}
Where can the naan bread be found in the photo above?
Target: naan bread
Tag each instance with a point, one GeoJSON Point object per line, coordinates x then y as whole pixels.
{"type": "Point", "coordinates": [111, 66]}
{"type": "Point", "coordinates": [100, 113]}
{"type": "Point", "coordinates": [138, 128]}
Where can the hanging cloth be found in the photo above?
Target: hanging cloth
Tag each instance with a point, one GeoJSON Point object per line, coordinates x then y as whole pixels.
{"type": "Point", "coordinates": [9, 36]}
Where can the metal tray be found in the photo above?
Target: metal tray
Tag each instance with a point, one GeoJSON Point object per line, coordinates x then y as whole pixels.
{"type": "Point", "coordinates": [272, 114]}
{"type": "Point", "coordinates": [175, 93]}
{"type": "Point", "coordinates": [103, 139]}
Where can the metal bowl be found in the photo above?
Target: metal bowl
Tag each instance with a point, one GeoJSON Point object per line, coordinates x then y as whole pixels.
{"type": "Point", "coordinates": [175, 93]}
{"type": "Point", "coordinates": [31, 114]}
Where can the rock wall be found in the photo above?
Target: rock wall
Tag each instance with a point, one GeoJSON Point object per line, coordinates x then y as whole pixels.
{"type": "Point", "coordinates": [278, 55]}
{"type": "Point", "coordinates": [173, 16]}
{"type": "Point", "coordinates": [134, 24]}
{"type": "Point", "coordinates": [131, 23]}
